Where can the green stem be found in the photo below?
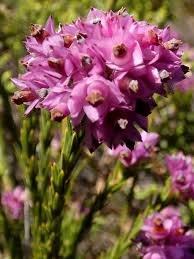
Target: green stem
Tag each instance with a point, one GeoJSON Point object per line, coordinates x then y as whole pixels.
{"type": "Point", "coordinates": [87, 221]}
{"type": "Point", "coordinates": [112, 4]}
{"type": "Point", "coordinates": [10, 130]}
{"type": "Point", "coordinates": [131, 193]}
{"type": "Point", "coordinates": [13, 241]}
{"type": "Point", "coordinates": [49, 211]}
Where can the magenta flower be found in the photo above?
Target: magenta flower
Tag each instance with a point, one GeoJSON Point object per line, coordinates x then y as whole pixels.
{"type": "Point", "coordinates": [163, 236]}
{"type": "Point", "coordinates": [94, 97]}
{"type": "Point", "coordinates": [13, 201]}
{"type": "Point", "coordinates": [188, 83]}
{"type": "Point", "coordinates": [163, 225]}
{"type": "Point", "coordinates": [141, 151]}
{"type": "Point", "coordinates": [146, 147]}
{"type": "Point", "coordinates": [123, 153]}
{"type": "Point", "coordinates": [166, 252]}
{"type": "Point", "coordinates": [155, 252]}
{"type": "Point", "coordinates": [182, 174]}
{"type": "Point", "coordinates": [101, 72]}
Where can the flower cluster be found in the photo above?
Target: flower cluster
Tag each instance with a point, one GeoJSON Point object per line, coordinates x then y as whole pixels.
{"type": "Point", "coordinates": [102, 72]}
{"type": "Point", "coordinates": [13, 201]}
{"type": "Point", "coordinates": [141, 151]}
{"type": "Point", "coordinates": [164, 236]}
{"type": "Point", "coordinates": [182, 174]}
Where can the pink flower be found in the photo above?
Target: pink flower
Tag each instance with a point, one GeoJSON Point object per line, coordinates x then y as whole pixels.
{"type": "Point", "coordinates": [146, 147]}
{"type": "Point", "coordinates": [123, 153]}
{"type": "Point", "coordinates": [94, 97]}
{"type": "Point", "coordinates": [163, 236]}
{"type": "Point", "coordinates": [181, 171]}
{"type": "Point", "coordinates": [163, 225]}
{"type": "Point", "coordinates": [155, 252]}
{"type": "Point", "coordinates": [188, 57]}
{"type": "Point", "coordinates": [186, 84]}
{"type": "Point", "coordinates": [14, 202]}
{"type": "Point", "coordinates": [141, 151]}
{"type": "Point", "coordinates": [102, 72]}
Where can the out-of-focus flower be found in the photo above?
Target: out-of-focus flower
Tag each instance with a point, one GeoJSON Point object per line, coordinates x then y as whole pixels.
{"type": "Point", "coordinates": [13, 201]}
{"type": "Point", "coordinates": [56, 143]}
{"type": "Point", "coordinates": [101, 72]}
{"type": "Point", "coordinates": [123, 153]}
{"type": "Point", "coordinates": [187, 84]}
{"type": "Point", "coordinates": [141, 151]}
{"type": "Point", "coordinates": [182, 174]}
{"type": "Point", "coordinates": [188, 57]}
{"type": "Point", "coordinates": [163, 225]}
{"type": "Point", "coordinates": [163, 236]}
{"type": "Point", "coordinates": [146, 147]}
{"type": "Point", "coordinates": [155, 252]}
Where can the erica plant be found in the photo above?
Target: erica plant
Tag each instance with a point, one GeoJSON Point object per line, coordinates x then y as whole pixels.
{"type": "Point", "coordinates": [102, 72]}
{"type": "Point", "coordinates": [98, 77]}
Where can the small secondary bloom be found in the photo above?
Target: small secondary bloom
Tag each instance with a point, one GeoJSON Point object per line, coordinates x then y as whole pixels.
{"type": "Point", "coordinates": [155, 252]}
{"type": "Point", "coordinates": [163, 225]}
{"type": "Point", "coordinates": [182, 174]}
{"type": "Point", "coordinates": [13, 201]}
{"type": "Point", "coordinates": [163, 236]}
{"type": "Point", "coordinates": [187, 84]}
{"type": "Point", "coordinates": [141, 151]}
{"type": "Point", "coordinates": [102, 72]}
{"type": "Point", "coordinates": [188, 57]}
{"type": "Point", "coordinates": [147, 146]}
{"type": "Point", "coordinates": [123, 153]}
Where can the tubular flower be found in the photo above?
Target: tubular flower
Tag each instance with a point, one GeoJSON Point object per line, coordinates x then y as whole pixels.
{"type": "Point", "coordinates": [102, 72]}
{"type": "Point", "coordinates": [141, 151]}
{"type": "Point", "coordinates": [182, 174]}
{"type": "Point", "coordinates": [163, 236]}
{"type": "Point", "coordinates": [188, 57]}
{"type": "Point", "coordinates": [13, 201]}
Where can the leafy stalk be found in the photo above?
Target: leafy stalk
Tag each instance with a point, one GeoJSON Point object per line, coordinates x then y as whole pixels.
{"type": "Point", "coordinates": [48, 239]}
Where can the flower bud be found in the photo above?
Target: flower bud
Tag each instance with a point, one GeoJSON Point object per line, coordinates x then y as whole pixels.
{"type": "Point", "coordinates": [23, 96]}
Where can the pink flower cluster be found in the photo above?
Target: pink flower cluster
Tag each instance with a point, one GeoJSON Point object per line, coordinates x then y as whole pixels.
{"type": "Point", "coordinates": [102, 72]}
{"type": "Point", "coordinates": [141, 151]}
{"type": "Point", "coordinates": [13, 201]}
{"type": "Point", "coordinates": [164, 236]}
{"type": "Point", "coordinates": [182, 174]}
